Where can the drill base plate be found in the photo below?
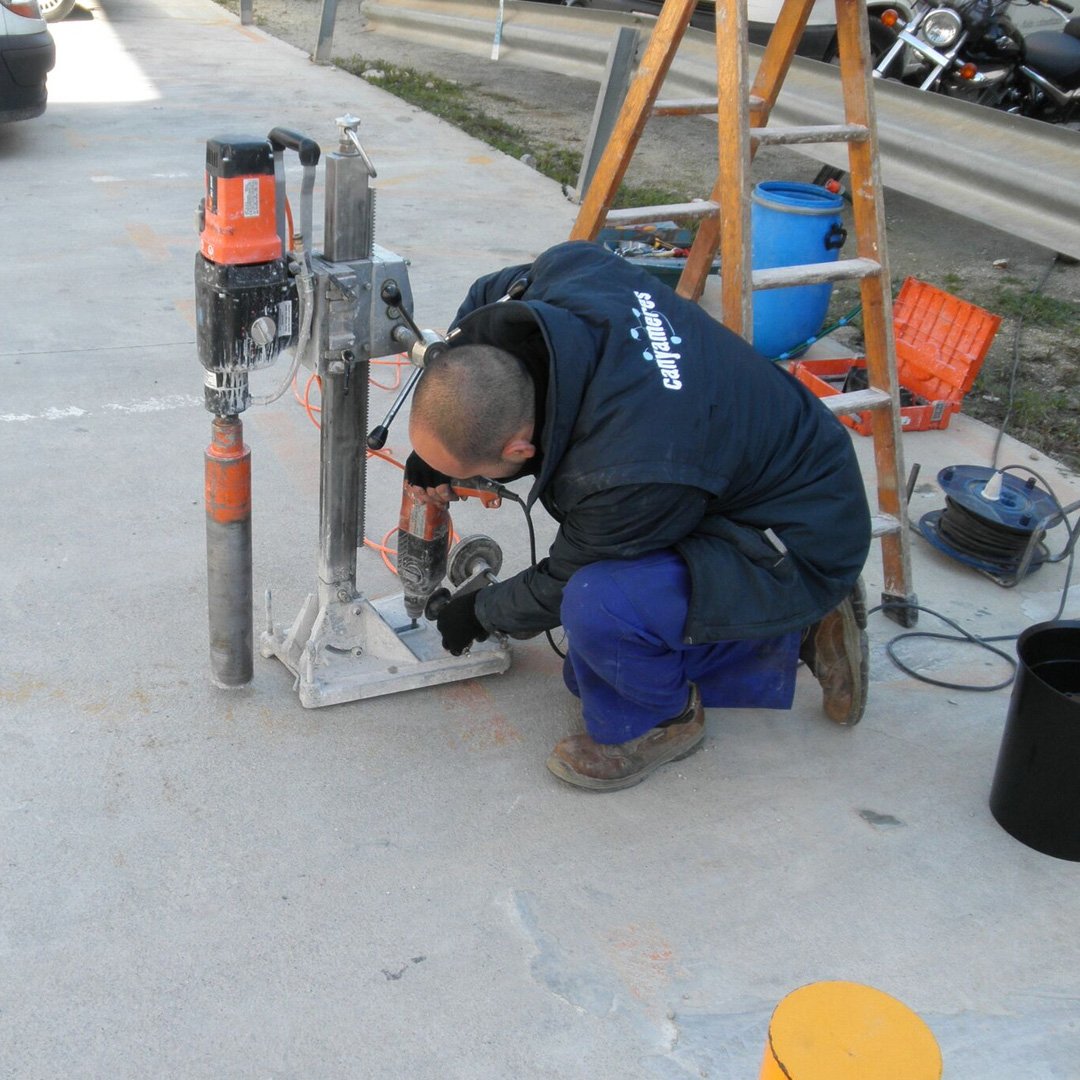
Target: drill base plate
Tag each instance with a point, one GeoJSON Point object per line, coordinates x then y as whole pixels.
{"type": "Point", "coordinates": [363, 648]}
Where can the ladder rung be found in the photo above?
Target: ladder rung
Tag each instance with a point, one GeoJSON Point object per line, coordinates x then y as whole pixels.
{"type": "Point", "coordinates": [884, 524]}
{"type": "Point", "coordinates": [634, 215]}
{"type": "Point", "coordinates": [685, 107]}
{"type": "Point", "coordinates": [811, 133]}
{"type": "Point", "coordinates": [779, 277]}
{"type": "Point", "coordinates": [856, 401]}
{"type": "Point", "coordinates": [696, 106]}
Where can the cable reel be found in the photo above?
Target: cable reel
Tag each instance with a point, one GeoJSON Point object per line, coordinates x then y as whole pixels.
{"type": "Point", "coordinates": [992, 521]}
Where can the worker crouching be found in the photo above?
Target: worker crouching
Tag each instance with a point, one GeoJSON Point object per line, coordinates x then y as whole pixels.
{"type": "Point", "coordinates": [712, 517]}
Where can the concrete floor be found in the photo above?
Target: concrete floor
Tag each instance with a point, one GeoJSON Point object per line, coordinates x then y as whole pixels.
{"type": "Point", "coordinates": [203, 884]}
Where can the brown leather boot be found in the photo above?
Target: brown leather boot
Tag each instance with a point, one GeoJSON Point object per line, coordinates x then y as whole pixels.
{"type": "Point", "coordinates": [583, 762]}
{"type": "Point", "coordinates": [836, 651]}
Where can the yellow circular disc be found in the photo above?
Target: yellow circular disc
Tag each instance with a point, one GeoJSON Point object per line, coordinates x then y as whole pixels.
{"type": "Point", "coordinates": [844, 1031]}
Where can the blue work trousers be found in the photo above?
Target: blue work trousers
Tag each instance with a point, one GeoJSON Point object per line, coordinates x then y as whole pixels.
{"type": "Point", "coordinates": [627, 662]}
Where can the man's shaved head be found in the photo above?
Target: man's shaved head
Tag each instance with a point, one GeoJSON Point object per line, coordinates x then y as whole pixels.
{"type": "Point", "coordinates": [474, 399]}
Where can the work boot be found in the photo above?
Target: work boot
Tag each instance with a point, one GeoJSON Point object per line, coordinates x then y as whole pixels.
{"type": "Point", "coordinates": [836, 651]}
{"type": "Point", "coordinates": [583, 762]}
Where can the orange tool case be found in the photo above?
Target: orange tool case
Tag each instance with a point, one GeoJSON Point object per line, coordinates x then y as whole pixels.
{"type": "Point", "coordinates": [941, 342]}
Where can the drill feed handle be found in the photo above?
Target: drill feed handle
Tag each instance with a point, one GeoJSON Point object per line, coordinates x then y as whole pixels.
{"type": "Point", "coordinates": [307, 148]}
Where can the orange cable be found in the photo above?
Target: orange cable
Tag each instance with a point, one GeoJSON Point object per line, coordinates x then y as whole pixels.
{"type": "Point", "coordinates": [397, 362]}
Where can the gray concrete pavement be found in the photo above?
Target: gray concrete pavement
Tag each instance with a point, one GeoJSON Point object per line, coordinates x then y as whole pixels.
{"type": "Point", "coordinates": [204, 884]}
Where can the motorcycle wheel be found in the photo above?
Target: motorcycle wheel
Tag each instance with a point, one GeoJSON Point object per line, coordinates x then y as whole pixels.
{"type": "Point", "coordinates": [55, 10]}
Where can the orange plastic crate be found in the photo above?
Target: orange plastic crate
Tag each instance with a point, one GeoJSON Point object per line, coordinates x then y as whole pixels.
{"type": "Point", "coordinates": [941, 343]}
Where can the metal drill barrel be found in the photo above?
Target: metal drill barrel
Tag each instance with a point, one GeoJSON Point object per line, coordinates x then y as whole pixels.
{"type": "Point", "coordinates": [228, 553]}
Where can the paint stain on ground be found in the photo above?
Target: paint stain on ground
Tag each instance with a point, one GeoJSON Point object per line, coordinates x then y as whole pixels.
{"type": "Point", "coordinates": [483, 726]}
{"type": "Point", "coordinates": [880, 821]}
{"type": "Point", "coordinates": [647, 966]}
{"type": "Point", "coordinates": [24, 689]}
{"type": "Point", "coordinates": [148, 242]}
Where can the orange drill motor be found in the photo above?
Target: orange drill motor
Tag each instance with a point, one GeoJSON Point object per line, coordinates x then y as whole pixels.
{"type": "Point", "coordinates": [423, 540]}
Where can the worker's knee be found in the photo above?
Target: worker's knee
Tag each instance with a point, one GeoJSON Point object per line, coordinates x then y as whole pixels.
{"type": "Point", "coordinates": [587, 608]}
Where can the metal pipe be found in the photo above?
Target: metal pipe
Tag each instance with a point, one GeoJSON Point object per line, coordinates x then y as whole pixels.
{"type": "Point", "coordinates": [326, 32]}
{"type": "Point", "coordinates": [342, 477]}
{"type": "Point", "coordinates": [228, 553]}
{"type": "Point", "coordinates": [613, 88]}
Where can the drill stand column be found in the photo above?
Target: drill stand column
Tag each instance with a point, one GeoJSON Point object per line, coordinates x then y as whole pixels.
{"type": "Point", "coordinates": [342, 646]}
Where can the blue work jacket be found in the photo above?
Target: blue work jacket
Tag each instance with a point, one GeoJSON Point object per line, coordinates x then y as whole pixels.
{"type": "Point", "coordinates": [662, 429]}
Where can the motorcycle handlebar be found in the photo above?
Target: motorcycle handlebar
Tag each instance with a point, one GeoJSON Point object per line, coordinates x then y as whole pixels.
{"type": "Point", "coordinates": [1060, 5]}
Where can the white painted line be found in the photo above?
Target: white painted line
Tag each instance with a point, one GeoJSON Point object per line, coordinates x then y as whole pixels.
{"type": "Point", "coordinates": [172, 401]}
{"type": "Point", "coordinates": [162, 404]}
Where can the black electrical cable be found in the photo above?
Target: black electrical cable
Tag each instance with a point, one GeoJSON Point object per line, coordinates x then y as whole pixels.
{"type": "Point", "coordinates": [986, 540]}
{"type": "Point", "coordinates": [1016, 362]}
{"type": "Point", "coordinates": [1068, 551]}
{"type": "Point", "coordinates": [965, 636]}
{"type": "Point", "coordinates": [507, 494]}
{"type": "Point", "coordinates": [978, 534]}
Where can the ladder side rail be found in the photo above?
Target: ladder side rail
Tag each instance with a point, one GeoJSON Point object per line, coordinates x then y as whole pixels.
{"type": "Point", "coordinates": [733, 161]}
{"type": "Point", "coordinates": [776, 59]}
{"type": "Point", "coordinates": [736, 148]}
{"type": "Point", "coordinates": [853, 41]}
{"type": "Point", "coordinates": [659, 53]}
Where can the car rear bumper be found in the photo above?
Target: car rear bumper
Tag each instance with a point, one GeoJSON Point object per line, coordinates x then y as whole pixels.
{"type": "Point", "coordinates": [25, 61]}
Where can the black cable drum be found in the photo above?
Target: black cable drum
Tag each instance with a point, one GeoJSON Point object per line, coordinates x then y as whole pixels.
{"type": "Point", "coordinates": [991, 534]}
{"type": "Point", "coordinates": [981, 538]}
{"type": "Point", "coordinates": [1036, 791]}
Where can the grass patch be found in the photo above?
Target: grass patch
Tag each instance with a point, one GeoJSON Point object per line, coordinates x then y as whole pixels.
{"type": "Point", "coordinates": [1036, 309]}
{"type": "Point", "coordinates": [454, 103]}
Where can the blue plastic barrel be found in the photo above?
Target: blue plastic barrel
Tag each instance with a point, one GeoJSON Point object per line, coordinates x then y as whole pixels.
{"type": "Point", "coordinates": [792, 224]}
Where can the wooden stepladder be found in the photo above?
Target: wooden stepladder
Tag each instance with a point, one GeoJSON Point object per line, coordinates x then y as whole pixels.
{"type": "Point", "coordinates": [725, 216]}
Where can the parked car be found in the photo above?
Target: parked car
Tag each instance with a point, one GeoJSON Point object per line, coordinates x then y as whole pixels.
{"type": "Point", "coordinates": [27, 55]}
{"type": "Point", "coordinates": [55, 10]}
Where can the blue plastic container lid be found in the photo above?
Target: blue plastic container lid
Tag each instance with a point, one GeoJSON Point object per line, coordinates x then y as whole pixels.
{"type": "Point", "coordinates": [791, 197]}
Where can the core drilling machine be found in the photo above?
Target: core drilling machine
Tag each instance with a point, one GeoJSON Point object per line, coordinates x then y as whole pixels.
{"type": "Point", "coordinates": [262, 294]}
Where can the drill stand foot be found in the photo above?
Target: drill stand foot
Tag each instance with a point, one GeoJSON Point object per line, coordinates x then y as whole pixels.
{"type": "Point", "coordinates": [349, 650]}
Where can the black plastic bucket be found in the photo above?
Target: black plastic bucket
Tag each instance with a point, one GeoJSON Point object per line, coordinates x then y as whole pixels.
{"type": "Point", "coordinates": [1036, 792]}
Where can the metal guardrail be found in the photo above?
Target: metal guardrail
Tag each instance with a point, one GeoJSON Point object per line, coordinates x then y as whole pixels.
{"type": "Point", "coordinates": [1020, 176]}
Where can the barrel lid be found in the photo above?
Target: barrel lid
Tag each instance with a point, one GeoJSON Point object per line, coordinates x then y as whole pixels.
{"type": "Point", "coordinates": [792, 197]}
{"type": "Point", "coordinates": [846, 1031]}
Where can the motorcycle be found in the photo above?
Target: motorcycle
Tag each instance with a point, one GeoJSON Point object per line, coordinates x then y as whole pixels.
{"type": "Point", "coordinates": [972, 50]}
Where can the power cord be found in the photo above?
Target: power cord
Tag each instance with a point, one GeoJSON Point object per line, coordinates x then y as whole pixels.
{"type": "Point", "coordinates": [508, 494]}
{"type": "Point", "coordinates": [1068, 551]}
{"type": "Point", "coordinates": [962, 635]}
{"type": "Point", "coordinates": [1016, 360]}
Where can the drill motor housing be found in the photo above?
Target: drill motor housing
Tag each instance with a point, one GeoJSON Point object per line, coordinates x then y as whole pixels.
{"type": "Point", "coordinates": [245, 297]}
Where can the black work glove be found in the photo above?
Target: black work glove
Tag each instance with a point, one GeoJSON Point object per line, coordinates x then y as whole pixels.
{"type": "Point", "coordinates": [420, 474]}
{"type": "Point", "coordinates": [458, 624]}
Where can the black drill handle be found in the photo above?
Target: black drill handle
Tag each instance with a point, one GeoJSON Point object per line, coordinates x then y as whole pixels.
{"type": "Point", "coordinates": [376, 440]}
{"type": "Point", "coordinates": [438, 600]}
{"type": "Point", "coordinates": [284, 139]}
{"type": "Point", "coordinates": [436, 604]}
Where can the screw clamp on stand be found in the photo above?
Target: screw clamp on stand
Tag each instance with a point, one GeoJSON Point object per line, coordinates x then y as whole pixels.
{"type": "Point", "coordinates": [341, 646]}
